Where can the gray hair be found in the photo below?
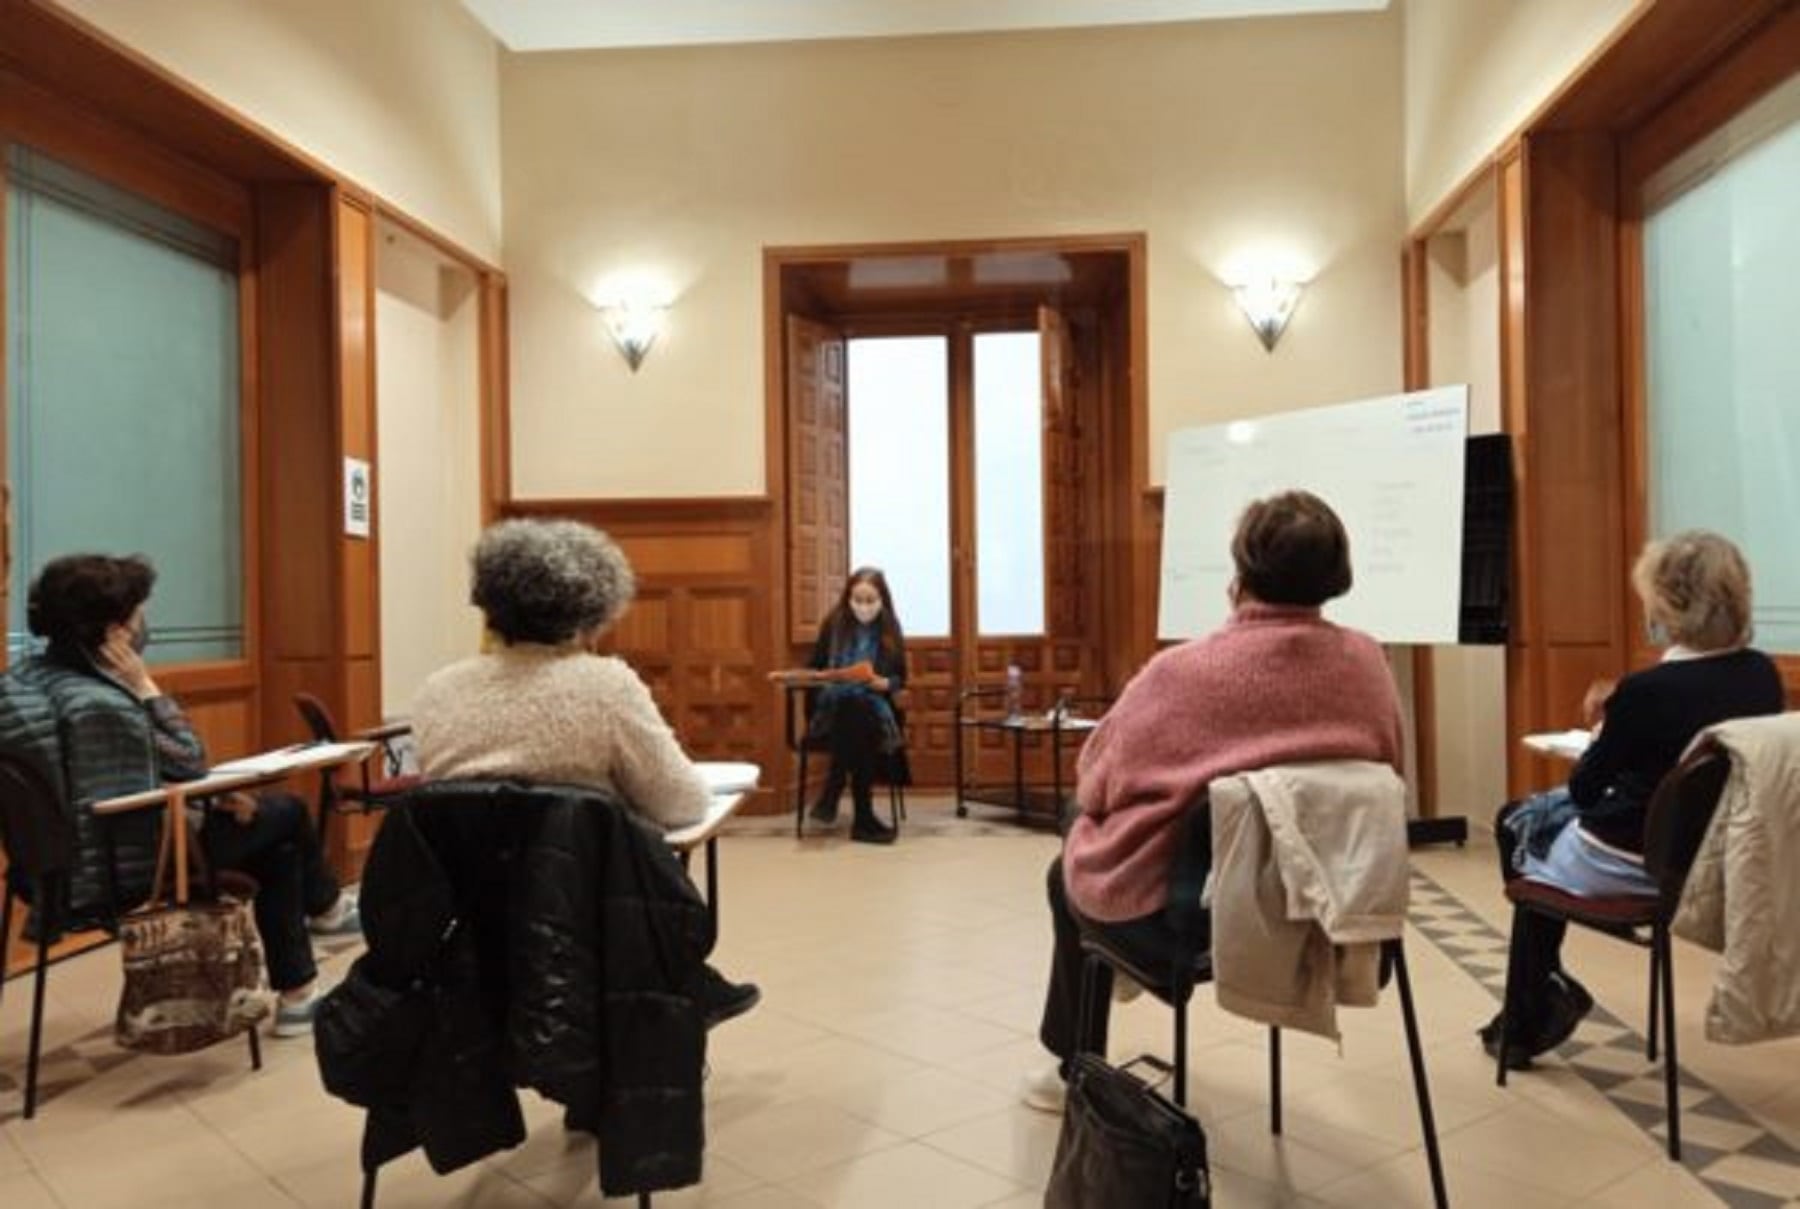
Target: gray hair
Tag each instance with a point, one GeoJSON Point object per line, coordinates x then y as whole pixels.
{"type": "Point", "coordinates": [549, 580]}
{"type": "Point", "coordinates": [1696, 584]}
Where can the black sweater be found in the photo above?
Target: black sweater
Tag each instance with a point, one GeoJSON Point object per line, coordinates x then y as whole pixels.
{"type": "Point", "coordinates": [1650, 719]}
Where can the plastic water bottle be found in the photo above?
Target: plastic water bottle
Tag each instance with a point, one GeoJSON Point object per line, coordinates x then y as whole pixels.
{"type": "Point", "coordinates": [1015, 691]}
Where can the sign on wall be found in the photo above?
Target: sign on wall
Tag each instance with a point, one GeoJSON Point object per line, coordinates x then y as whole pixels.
{"type": "Point", "coordinates": [358, 497]}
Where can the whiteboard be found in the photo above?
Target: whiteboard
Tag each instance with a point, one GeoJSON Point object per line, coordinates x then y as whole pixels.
{"type": "Point", "coordinates": [1391, 468]}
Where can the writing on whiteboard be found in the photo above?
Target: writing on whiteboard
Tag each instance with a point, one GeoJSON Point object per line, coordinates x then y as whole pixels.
{"type": "Point", "coordinates": [1392, 469]}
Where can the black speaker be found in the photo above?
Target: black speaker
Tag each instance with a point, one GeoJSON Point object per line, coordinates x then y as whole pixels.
{"type": "Point", "coordinates": [1487, 540]}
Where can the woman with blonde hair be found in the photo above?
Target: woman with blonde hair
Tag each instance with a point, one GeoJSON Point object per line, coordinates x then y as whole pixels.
{"type": "Point", "coordinates": [1587, 838]}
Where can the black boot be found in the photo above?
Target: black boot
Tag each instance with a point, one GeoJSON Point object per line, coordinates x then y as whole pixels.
{"type": "Point", "coordinates": [825, 809]}
{"type": "Point", "coordinates": [867, 829]}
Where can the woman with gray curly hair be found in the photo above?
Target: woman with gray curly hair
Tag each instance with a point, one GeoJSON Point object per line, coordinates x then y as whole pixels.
{"type": "Point", "coordinates": [1587, 838]}
{"type": "Point", "coordinates": [539, 705]}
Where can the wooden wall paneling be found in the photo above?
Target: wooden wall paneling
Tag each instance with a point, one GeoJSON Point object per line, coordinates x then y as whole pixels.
{"type": "Point", "coordinates": [359, 602]}
{"type": "Point", "coordinates": [298, 457]}
{"type": "Point", "coordinates": [1524, 696]}
{"type": "Point", "coordinates": [817, 489]}
{"type": "Point", "coordinates": [39, 117]}
{"type": "Point", "coordinates": [1415, 301]}
{"type": "Point", "coordinates": [496, 407]}
{"type": "Point", "coordinates": [1563, 405]}
{"type": "Point", "coordinates": [700, 632]}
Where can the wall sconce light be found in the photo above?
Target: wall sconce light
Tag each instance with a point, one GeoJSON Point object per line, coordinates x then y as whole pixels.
{"type": "Point", "coordinates": [634, 325]}
{"type": "Point", "coordinates": [1268, 303]}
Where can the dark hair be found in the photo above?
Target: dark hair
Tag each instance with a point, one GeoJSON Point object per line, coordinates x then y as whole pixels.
{"type": "Point", "coordinates": [75, 599]}
{"type": "Point", "coordinates": [549, 580]}
{"type": "Point", "coordinates": [840, 623]}
{"type": "Point", "coordinates": [1291, 549]}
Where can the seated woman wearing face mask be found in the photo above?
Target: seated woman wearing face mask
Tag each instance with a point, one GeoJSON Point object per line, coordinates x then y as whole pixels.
{"type": "Point", "coordinates": [118, 734]}
{"type": "Point", "coordinates": [859, 717]}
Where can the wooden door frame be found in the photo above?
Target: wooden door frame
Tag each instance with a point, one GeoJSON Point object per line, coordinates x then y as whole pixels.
{"type": "Point", "coordinates": [1570, 251]}
{"type": "Point", "coordinates": [1125, 521]}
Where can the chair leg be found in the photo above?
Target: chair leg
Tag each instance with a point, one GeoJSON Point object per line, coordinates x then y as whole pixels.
{"type": "Point", "coordinates": [6, 902]}
{"type": "Point", "coordinates": [643, 1200]}
{"type": "Point", "coordinates": [255, 1047]}
{"type": "Point", "coordinates": [1181, 1050]}
{"type": "Point", "coordinates": [34, 1045]}
{"type": "Point", "coordinates": [1512, 973]}
{"type": "Point", "coordinates": [368, 1189]}
{"type": "Point", "coordinates": [1671, 1067]}
{"type": "Point", "coordinates": [800, 795]}
{"type": "Point", "coordinates": [896, 806]}
{"type": "Point", "coordinates": [1274, 1080]}
{"type": "Point", "coordinates": [1655, 984]}
{"type": "Point", "coordinates": [1421, 1089]}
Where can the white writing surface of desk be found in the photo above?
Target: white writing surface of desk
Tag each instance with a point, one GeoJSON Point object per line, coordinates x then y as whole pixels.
{"type": "Point", "coordinates": [230, 777]}
{"type": "Point", "coordinates": [731, 785]}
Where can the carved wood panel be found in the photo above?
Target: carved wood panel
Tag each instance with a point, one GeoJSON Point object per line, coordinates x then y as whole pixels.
{"type": "Point", "coordinates": [818, 493]}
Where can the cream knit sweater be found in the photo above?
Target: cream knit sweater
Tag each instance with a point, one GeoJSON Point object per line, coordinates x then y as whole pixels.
{"type": "Point", "coordinates": [556, 715]}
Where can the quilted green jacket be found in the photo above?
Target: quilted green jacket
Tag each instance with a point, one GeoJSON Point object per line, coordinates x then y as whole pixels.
{"type": "Point", "coordinates": [93, 739]}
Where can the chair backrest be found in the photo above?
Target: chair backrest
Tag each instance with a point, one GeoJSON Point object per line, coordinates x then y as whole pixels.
{"type": "Point", "coordinates": [1680, 812]}
{"type": "Point", "coordinates": [317, 718]}
{"type": "Point", "coordinates": [35, 832]}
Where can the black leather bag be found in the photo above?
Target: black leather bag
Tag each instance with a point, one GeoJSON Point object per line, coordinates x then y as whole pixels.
{"type": "Point", "coordinates": [1123, 1144]}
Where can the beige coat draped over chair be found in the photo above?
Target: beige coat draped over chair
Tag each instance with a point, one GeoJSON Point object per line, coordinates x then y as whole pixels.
{"type": "Point", "coordinates": [1742, 897]}
{"type": "Point", "coordinates": [1309, 875]}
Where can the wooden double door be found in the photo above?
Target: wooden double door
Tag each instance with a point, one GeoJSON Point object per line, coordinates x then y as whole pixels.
{"type": "Point", "coordinates": [1062, 656]}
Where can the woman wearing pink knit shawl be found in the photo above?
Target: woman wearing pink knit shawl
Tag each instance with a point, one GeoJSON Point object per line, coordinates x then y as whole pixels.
{"type": "Point", "coordinates": [1276, 684]}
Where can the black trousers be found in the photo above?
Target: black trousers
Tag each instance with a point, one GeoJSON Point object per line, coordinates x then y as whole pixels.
{"type": "Point", "coordinates": [1148, 940]}
{"type": "Point", "coordinates": [856, 733]}
{"type": "Point", "coordinates": [1537, 948]}
{"type": "Point", "coordinates": [280, 849]}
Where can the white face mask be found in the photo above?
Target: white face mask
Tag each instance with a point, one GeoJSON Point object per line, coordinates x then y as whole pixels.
{"type": "Point", "coordinates": [865, 613]}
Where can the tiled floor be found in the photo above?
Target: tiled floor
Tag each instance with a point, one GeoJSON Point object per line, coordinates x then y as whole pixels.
{"type": "Point", "coordinates": [902, 990]}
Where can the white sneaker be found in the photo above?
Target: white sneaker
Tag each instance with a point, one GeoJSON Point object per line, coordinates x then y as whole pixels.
{"type": "Point", "coordinates": [294, 1018]}
{"type": "Point", "coordinates": [1045, 1090]}
{"type": "Point", "coordinates": [342, 918]}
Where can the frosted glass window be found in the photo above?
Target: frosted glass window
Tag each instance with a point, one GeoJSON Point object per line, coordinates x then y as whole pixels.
{"type": "Point", "coordinates": [898, 395]}
{"type": "Point", "coordinates": [1721, 291]}
{"type": "Point", "coordinates": [1009, 484]}
{"type": "Point", "coordinates": [122, 403]}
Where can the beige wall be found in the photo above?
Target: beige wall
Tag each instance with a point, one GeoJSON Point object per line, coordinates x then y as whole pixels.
{"type": "Point", "coordinates": [428, 482]}
{"type": "Point", "coordinates": [402, 96]}
{"type": "Point", "coordinates": [1469, 681]}
{"type": "Point", "coordinates": [1212, 138]}
{"type": "Point", "coordinates": [1475, 70]}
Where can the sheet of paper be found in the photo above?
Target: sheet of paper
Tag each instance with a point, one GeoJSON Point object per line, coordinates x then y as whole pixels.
{"type": "Point", "coordinates": [1569, 743]}
{"type": "Point", "coordinates": [727, 777]}
{"type": "Point", "coordinates": [309, 755]}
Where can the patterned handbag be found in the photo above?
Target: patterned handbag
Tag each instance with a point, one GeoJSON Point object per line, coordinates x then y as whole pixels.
{"type": "Point", "coordinates": [194, 972]}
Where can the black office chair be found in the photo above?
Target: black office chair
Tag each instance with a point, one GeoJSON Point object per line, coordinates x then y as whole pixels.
{"type": "Point", "coordinates": [372, 792]}
{"type": "Point", "coordinates": [39, 840]}
{"type": "Point", "coordinates": [895, 771]}
{"type": "Point", "coordinates": [1192, 965]}
{"type": "Point", "coordinates": [1680, 812]}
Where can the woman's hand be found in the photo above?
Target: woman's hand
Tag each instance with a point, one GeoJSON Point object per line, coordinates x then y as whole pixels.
{"type": "Point", "coordinates": [881, 684]}
{"type": "Point", "coordinates": [240, 806]}
{"type": "Point", "coordinates": [1593, 703]}
{"type": "Point", "coordinates": [119, 657]}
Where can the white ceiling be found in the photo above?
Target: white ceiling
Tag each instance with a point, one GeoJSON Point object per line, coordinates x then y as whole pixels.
{"type": "Point", "coordinates": [590, 24]}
